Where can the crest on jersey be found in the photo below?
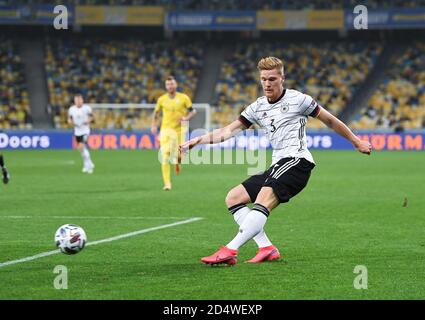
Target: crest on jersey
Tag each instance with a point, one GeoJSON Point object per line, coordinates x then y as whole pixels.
{"type": "Point", "coordinates": [284, 108]}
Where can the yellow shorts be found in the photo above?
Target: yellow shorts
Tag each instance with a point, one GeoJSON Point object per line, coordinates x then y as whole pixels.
{"type": "Point", "coordinates": [170, 140]}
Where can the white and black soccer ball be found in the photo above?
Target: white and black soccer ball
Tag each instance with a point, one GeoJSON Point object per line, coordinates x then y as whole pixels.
{"type": "Point", "coordinates": [70, 239]}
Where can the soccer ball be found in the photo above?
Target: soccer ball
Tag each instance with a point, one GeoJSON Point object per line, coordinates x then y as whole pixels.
{"type": "Point", "coordinates": [70, 239]}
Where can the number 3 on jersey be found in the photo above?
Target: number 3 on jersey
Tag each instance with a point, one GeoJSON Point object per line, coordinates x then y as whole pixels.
{"type": "Point", "coordinates": [272, 125]}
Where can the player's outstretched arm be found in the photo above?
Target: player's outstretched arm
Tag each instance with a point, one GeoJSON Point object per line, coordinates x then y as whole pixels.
{"type": "Point", "coordinates": [339, 127]}
{"type": "Point", "coordinates": [216, 136]}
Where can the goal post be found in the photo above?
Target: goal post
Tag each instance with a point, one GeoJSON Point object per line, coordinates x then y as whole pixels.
{"type": "Point", "coordinates": [138, 116]}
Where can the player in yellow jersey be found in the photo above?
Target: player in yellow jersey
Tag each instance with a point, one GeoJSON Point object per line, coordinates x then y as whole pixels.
{"type": "Point", "coordinates": [175, 107]}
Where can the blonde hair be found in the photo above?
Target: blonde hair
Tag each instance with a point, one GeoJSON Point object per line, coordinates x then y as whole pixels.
{"type": "Point", "coordinates": [271, 63]}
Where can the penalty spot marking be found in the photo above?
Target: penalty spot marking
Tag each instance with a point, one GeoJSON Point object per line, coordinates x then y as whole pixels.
{"type": "Point", "coordinates": [94, 243]}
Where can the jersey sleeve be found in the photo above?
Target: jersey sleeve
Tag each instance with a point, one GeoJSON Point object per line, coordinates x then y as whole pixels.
{"type": "Point", "coordinates": [309, 106]}
{"type": "Point", "coordinates": [187, 103]}
{"type": "Point", "coordinates": [70, 112]}
{"type": "Point", "coordinates": [248, 116]}
{"type": "Point", "coordinates": [158, 106]}
{"type": "Point", "coordinates": [89, 111]}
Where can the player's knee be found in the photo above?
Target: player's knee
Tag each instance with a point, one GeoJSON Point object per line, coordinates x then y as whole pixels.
{"type": "Point", "coordinates": [165, 157]}
{"type": "Point", "coordinates": [267, 198]}
{"type": "Point", "coordinates": [233, 198]}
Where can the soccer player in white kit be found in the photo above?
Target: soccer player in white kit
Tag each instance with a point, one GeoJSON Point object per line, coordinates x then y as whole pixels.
{"type": "Point", "coordinates": [80, 116]}
{"type": "Point", "coordinates": [283, 113]}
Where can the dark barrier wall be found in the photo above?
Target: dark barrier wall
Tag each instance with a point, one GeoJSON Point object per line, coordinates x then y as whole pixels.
{"type": "Point", "coordinates": [13, 140]}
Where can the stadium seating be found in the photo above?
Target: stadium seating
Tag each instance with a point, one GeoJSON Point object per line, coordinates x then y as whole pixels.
{"type": "Point", "coordinates": [14, 104]}
{"type": "Point", "coordinates": [289, 4]}
{"type": "Point", "coordinates": [131, 71]}
{"type": "Point", "coordinates": [127, 71]}
{"type": "Point", "coordinates": [399, 102]}
{"type": "Point", "coordinates": [237, 4]}
{"type": "Point", "coordinates": [330, 72]}
{"type": "Point", "coordinates": [128, 119]}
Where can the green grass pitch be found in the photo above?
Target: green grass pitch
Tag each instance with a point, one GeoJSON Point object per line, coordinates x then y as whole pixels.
{"type": "Point", "coordinates": [351, 213]}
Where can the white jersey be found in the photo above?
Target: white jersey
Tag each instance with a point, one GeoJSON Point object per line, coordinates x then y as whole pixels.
{"type": "Point", "coordinates": [284, 121]}
{"type": "Point", "coordinates": [80, 116]}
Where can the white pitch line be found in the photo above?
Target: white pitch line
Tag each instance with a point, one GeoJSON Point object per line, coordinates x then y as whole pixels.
{"type": "Point", "coordinates": [90, 217]}
{"type": "Point", "coordinates": [94, 243]}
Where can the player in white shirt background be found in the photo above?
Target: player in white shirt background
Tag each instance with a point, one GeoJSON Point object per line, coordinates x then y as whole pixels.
{"type": "Point", "coordinates": [80, 116]}
{"type": "Point", "coordinates": [283, 114]}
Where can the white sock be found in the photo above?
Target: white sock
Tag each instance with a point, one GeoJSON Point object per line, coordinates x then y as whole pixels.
{"type": "Point", "coordinates": [239, 214]}
{"type": "Point", "coordinates": [86, 157]}
{"type": "Point", "coordinates": [251, 226]}
{"type": "Point", "coordinates": [262, 240]}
